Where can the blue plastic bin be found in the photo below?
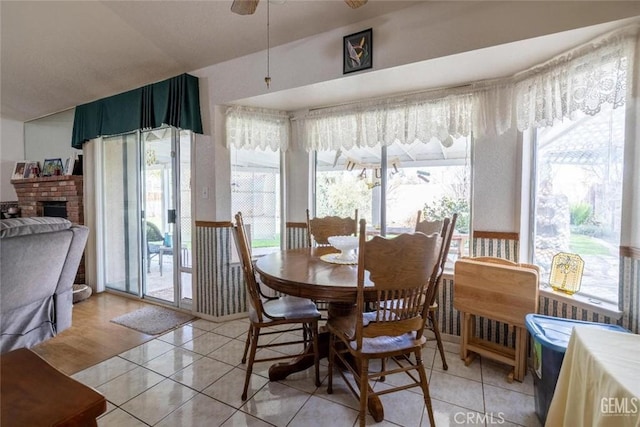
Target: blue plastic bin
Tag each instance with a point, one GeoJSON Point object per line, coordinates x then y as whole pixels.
{"type": "Point", "coordinates": [549, 340]}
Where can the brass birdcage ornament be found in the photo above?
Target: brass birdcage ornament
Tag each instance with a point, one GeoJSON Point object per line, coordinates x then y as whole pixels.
{"type": "Point", "coordinates": [566, 272]}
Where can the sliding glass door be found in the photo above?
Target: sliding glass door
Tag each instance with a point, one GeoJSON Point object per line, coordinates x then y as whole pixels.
{"type": "Point", "coordinates": [145, 193]}
{"type": "Point", "coordinates": [120, 213]}
{"type": "Point", "coordinates": [159, 213]}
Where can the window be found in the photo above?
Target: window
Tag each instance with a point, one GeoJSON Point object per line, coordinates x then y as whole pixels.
{"type": "Point", "coordinates": [432, 177]}
{"type": "Point", "coordinates": [255, 191]}
{"type": "Point", "coordinates": [578, 197]}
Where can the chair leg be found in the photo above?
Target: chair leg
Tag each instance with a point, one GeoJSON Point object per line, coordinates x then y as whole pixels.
{"type": "Point", "coordinates": [364, 390]}
{"type": "Point", "coordinates": [330, 367]}
{"type": "Point", "coordinates": [246, 344]}
{"type": "Point", "coordinates": [436, 330]}
{"type": "Point", "coordinates": [424, 384]}
{"type": "Point", "coordinates": [316, 352]}
{"type": "Point", "coordinates": [252, 356]}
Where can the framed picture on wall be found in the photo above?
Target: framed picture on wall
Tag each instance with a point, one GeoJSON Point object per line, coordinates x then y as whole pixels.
{"type": "Point", "coordinates": [52, 167]}
{"type": "Point", "coordinates": [357, 51]}
{"type": "Point", "coordinates": [18, 170]}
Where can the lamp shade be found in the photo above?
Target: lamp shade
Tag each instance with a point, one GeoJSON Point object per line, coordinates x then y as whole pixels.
{"type": "Point", "coordinates": [566, 272]}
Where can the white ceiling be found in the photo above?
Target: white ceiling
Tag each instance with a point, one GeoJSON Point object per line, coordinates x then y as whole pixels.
{"type": "Point", "coordinates": [59, 54]}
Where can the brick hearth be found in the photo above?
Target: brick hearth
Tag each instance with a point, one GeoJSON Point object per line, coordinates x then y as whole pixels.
{"type": "Point", "coordinates": [34, 193]}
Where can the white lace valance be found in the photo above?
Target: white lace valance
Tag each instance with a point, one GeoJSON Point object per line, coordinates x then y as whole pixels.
{"type": "Point", "coordinates": [251, 128]}
{"type": "Point", "coordinates": [580, 80]}
{"type": "Point", "coordinates": [493, 108]}
{"type": "Point", "coordinates": [406, 120]}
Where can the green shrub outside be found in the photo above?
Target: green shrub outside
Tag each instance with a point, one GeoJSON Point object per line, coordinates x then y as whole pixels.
{"type": "Point", "coordinates": [445, 208]}
{"type": "Point", "coordinates": [581, 213]}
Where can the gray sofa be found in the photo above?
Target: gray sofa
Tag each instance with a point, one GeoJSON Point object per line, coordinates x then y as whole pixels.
{"type": "Point", "coordinates": [39, 261]}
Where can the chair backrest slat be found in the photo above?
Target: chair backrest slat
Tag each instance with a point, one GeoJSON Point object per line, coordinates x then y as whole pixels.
{"type": "Point", "coordinates": [428, 227]}
{"type": "Point", "coordinates": [244, 252]}
{"type": "Point", "coordinates": [400, 269]}
{"type": "Point", "coordinates": [448, 228]}
{"type": "Point", "coordinates": [321, 228]}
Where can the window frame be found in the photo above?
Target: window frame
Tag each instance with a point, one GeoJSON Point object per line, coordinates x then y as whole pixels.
{"type": "Point", "coordinates": [581, 299]}
{"type": "Point", "coordinates": [384, 180]}
{"type": "Point", "coordinates": [281, 194]}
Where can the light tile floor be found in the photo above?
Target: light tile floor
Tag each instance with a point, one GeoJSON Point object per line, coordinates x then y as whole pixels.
{"type": "Point", "coordinates": [192, 376]}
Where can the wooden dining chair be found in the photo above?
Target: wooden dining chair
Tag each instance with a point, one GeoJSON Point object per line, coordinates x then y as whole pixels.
{"type": "Point", "coordinates": [428, 227]}
{"type": "Point", "coordinates": [266, 312]}
{"type": "Point", "coordinates": [319, 229]}
{"type": "Point", "coordinates": [399, 268]}
{"type": "Point", "coordinates": [446, 232]}
{"type": "Point", "coordinates": [448, 228]}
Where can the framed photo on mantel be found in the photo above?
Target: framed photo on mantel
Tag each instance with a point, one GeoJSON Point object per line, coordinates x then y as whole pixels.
{"type": "Point", "coordinates": [32, 170]}
{"type": "Point", "coordinates": [18, 169]}
{"type": "Point", "coordinates": [68, 165]}
{"type": "Point", "coordinates": [52, 167]}
{"type": "Point", "coordinates": [357, 51]}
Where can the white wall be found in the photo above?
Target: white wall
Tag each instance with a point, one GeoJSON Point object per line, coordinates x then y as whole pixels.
{"type": "Point", "coordinates": [428, 30]}
{"type": "Point", "coordinates": [297, 185]}
{"type": "Point", "coordinates": [496, 183]}
{"type": "Point", "coordinates": [11, 150]}
{"type": "Point", "coordinates": [422, 32]}
{"type": "Point", "coordinates": [50, 137]}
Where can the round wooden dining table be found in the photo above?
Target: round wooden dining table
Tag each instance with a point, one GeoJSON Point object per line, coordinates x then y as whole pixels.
{"type": "Point", "coordinates": [302, 273]}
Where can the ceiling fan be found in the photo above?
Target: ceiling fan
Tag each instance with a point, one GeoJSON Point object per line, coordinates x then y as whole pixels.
{"type": "Point", "coordinates": [247, 7]}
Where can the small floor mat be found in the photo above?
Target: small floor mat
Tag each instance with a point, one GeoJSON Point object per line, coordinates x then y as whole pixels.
{"type": "Point", "coordinates": [153, 320]}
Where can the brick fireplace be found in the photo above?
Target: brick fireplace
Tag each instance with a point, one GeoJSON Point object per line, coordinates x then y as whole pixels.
{"type": "Point", "coordinates": [35, 194]}
{"type": "Point", "coordinates": [60, 196]}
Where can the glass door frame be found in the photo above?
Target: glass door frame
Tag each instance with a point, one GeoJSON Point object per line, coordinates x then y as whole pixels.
{"type": "Point", "coordinates": [101, 208]}
{"type": "Point", "coordinates": [174, 185]}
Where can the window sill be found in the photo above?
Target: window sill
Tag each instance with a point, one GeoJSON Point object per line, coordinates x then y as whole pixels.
{"type": "Point", "coordinates": [582, 301]}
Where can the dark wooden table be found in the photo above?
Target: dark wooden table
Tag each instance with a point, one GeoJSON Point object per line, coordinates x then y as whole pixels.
{"type": "Point", "coordinates": [301, 273]}
{"type": "Point", "coordinates": [34, 393]}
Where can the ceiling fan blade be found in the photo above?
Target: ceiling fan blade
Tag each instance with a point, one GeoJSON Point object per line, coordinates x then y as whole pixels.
{"type": "Point", "coordinates": [244, 7]}
{"type": "Point", "coordinates": [354, 4]}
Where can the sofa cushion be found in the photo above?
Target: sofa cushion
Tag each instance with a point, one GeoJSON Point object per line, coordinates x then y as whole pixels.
{"type": "Point", "coordinates": [14, 227]}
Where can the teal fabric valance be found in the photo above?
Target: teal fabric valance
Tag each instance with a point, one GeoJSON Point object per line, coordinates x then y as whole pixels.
{"type": "Point", "coordinates": [175, 102]}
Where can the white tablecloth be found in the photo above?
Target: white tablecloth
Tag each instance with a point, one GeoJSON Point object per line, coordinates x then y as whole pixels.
{"type": "Point", "coordinates": [599, 382]}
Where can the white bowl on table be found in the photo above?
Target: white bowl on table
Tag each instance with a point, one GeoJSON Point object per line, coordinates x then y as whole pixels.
{"type": "Point", "coordinates": [347, 246]}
